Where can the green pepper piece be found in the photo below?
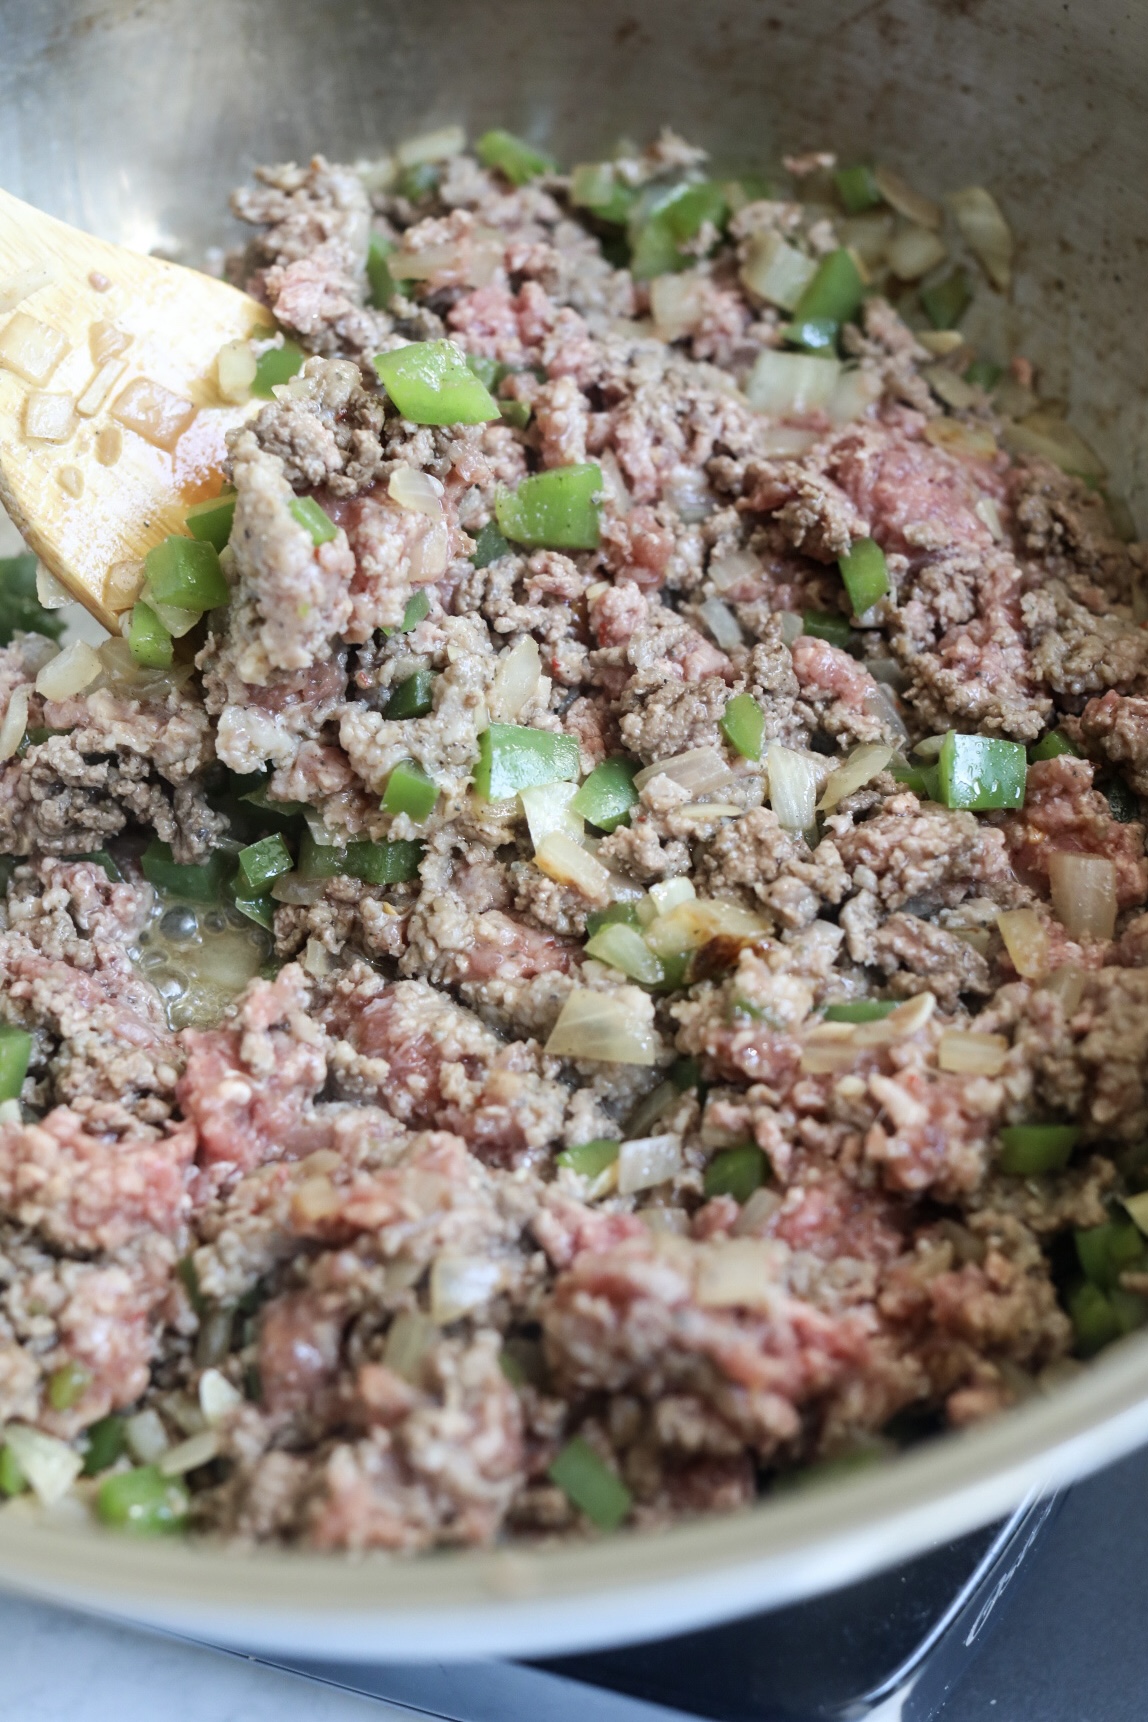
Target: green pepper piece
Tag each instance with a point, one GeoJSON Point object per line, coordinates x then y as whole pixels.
{"type": "Point", "coordinates": [607, 795]}
{"type": "Point", "coordinates": [419, 180]}
{"type": "Point", "coordinates": [743, 725]}
{"type": "Point", "coordinates": [67, 1385]}
{"type": "Point", "coordinates": [981, 772]}
{"type": "Point", "coordinates": [262, 862]}
{"type": "Point", "coordinates": [488, 371]}
{"type": "Point", "coordinates": [555, 510]}
{"type": "Point", "coordinates": [590, 1159]}
{"type": "Point", "coordinates": [409, 790]}
{"type": "Point", "coordinates": [676, 969]}
{"type": "Point", "coordinates": [1052, 745]}
{"type": "Point", "coordinates": [379, 278]}
{"type": "Point", "coordinates": [1104, 1252]}
{"type": "Point", "coordinates": [1130, 1309]}
{"type": "Point", "coordinates": [983, 374]}
{"type": "Point", "coordinates": [923, 780]}
{"type": "Point", "coordinates": [512, 757]}
{"type": "Point", "coordinates": [15, 1053]}
{"type": "Point", "coordinates": [828, 625]}
{"type": "Point", "coordinates": [315, 520]}
{"type": "Point", "coordinates": [588, 1482]}
{"type": "Point", "coordinates": [12, 1478]}
{"type": "Point", "coordinates": [101, 858]}
{"type": "Point", "coordinates": [412, 698]}
{"type": "Point", "coordinates": [685, 1073]}
{"type": "Point", "coordinates": [257, 908]}
{"type": "Point", "coordinates": [277, 365]}
{"type": "Point", "coordinates": [149, 642]}
{"type": "Point", "coordinates": [812, 334]}
{"type": "Point", "coordinates": [373, 863]}
{"type": "Point", "coordinates": [663, 219]}
{"type": "Point", "coordinates": [489, 546]}
{"type": "Point", "coordinates": [859, 1010]}
{"type": "Point", "coordinates": [211, 521]}
{"type": "Point", "coordinates": [1093, 1318]}
{"type": "Point", "coordinates": [20, 609]}
{"type": "Point", "coordinates": [595, 186]}
{"type": "Point", "coordinates": [835, 292]}
{"type": "Point", "coordinates": [947, 300]}
{"type": "Point", "coordinates": [143, 1500]}
{"type": "Point", "coordinates": [515, 160]}
{"type": "Point", "coordinates": [1122, 804]}
{"type": "Point", "coordinates": [625, 913]}
{"type": "Point", "coordinates": [516, 413]}
{"type": "Point", "coordinates": [431, 384]}
{"type": "Point", "coordinates": [186, 572]}
{"type": "Point", "coordinates": [1030, 1149]}
{"type": "Point", "coordinates": [417, 610]}
{"type": "Point", "coordinates": [736, 1172]}
{"type": "Point", "coordinates": [865, 574]}
{"type": "Point", "coordinates": [198, 883]}
{"type": "Point", "coordinates": [106, 1441]}
{"type": "Point", "coordinates": [857, 188]}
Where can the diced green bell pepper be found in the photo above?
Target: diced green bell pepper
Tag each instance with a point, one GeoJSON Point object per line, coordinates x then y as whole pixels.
{"type": "Point", "coordinates": [417, 610]}
{"type": "Point", "coordinates": [380, 281]}
{"type": "Point", "coordinates": [828, 625]}
{"type": "Point", "coordinates": [835, 292]}
{"type": "Point", "coordinates": [983, 374]}
{"type": "Point", "coordinates": [67, 1385]}
{"type": "Point", "coordinates": [262, 862]}
{"type": "Point", "coordinates": [865, 574]}
{"type": "Point", "coordinates": [489, 546]}
{"type": "Point", "coordinates": [12, 1478]}
{"type": "Point", "coordinates": [15, 1052]}
{"type": "Point", "coordinates": [981, 772]}
{"type": "Point", "coordinates": [1051, 746]}
{"type": "Point", "coordinates": [515, 160]}
{"type": "Point", "coordinates": [1122, 804]}
{"type": "Point", "coordinates": [197, 882]}
{"type": "Point", "coordinates": [554, 510]}
{"type": "Point", "coordinates": [149, 642]}
{"type": "Point", "coordinates": [277, 365]}
{"type": "Point", "coordinates": [607, 795]}
{"type": "Point", "coordinates": [315, 520]}
{"type": "Point", "coordinates": [812, 334]}
{"type": "Point", "coordinates": [595, 186]}
{"type": "Point", "coordinates": [664, 219]}
{"type": "Point", "coordinates": [512, 757]}
{"type": "Point", "coordinates": [20, 609]}
{"type": "Point", "coordinates": [409, 790]}
{"type": "Point", "coordinates": [1027, 1150]}
{"type": "Point", "coordinates": [516, 413]}
{"type": "Point", "coordinates": [413, 697]}
{"type": "Point", "coordinates": [626, 913]}
{"type": "Point", "coordinates": [947, 300]}
{"type": "Point", "coordinates": [431, 383]}
{"type": "Point", "coordinates": [419, 180]}
{"type": "Point", "coordinates": [1094, 1320]}
{"type": "Point", "coordinates": [923, 780]}
{"type": "Point", "coordinates": [258, 907]}
{"type": "Point", "coordinates": [373, 863]}
{"type": "Point", "coordinates": [857, 188]}
{"type": "Point", "coordinates": [143, 1500]}
{"type": "Point", "coordinates": [186, 572]}
{"type": "Point", "coordinates": [590, 1159]}
{"type": "Point", "coordinates": [1104, 1252]}
{"type": "Point", "coordinates": [743, 725]}
{"type": "Point", "coordinates": [735, 1172]}
{"type": "Point", "coordinates": [859, 1010]}
{"type": "Point", "coordinates": [106, 1441]}
{"type": "Point", "coordinates": [101, 858]}
{"type": "Point", "coordinates": [211, 521]}
{"type": "Point", "coordinates": [685, 1073]}
{"type": "Point", "coordinates": [590, 1485]}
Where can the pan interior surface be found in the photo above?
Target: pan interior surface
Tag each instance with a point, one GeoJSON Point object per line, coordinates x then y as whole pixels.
{"type": "Point", "coordinates": [134, 120]}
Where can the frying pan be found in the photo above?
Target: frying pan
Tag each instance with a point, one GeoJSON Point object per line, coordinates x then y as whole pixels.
{"type": "Point", "coordinates": [133, 118]}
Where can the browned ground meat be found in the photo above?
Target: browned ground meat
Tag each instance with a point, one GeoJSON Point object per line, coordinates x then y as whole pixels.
{"type": "Point", "coordinates": [316, 1182]}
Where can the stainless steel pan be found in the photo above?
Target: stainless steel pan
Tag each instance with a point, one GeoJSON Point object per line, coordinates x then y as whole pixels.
{"type": "Point", "coordinates": [134, 118]}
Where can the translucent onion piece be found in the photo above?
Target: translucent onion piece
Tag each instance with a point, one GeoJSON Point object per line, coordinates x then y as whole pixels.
{"type": "Point", "coordinates": [547, 809]}
{"type": "Point", "coordinates": [722, 623]}
{"type": "Point", "coordinates": [612, 1028]}
{"type": "Point", "coordinates": [15, 721]}
{"type": "Point", "coordinates": [791, 383]}
{"type": "Point", "coordinates": [153, 412]}
{"type": "Point", "coordinates": [106, 341]}
{"type": "Point", "coordinates": [197, 1450]}
{"type": "Point", "coordinates": [690, 925]}
{"type": "Point", "coordinates": [235, 368]}
{"type": "Point", "coordinates": [1084, 894]}
{"type": "Point", "coordinates": [861, 767]}
{"type": "Point", "coordinates": [734, 567]}
{"type": "Point", "coordinates": [879, 703]}
{"type": "Point", "coordinates": [1054, 439]}
{"type": "Point", "coordinates": [701, 771]}
{"type": "Point", "coordinates": [438, 145]}
{"type": "Point", "coordinates": [1066, 984]}
{"type": "Point", "coordinates": [677, 304]}
{"type": "Point", "coordinates": [856, 392]}
{"type": "Point", "coordinates": [647, 1162]}
{"type": "Point", "coordinates": [217, 1397]}
{"type": "Point", "coordinates": [950, 388]}
{"type": "Point", "coordinates": [69, 672]}
{"type": "Point", "coordinates": [1137, 1207]}
{"type": "Point", "coordinates": [740, 1273]}
{"type": "Point", "coordinates": [178, 622]}
{"type": "Point", "coordinates": [410, 1338]}
{"type": "Point", "coordinates": [987, 510]}
{"type": "Point", "coordinates": [613, 484]}
{"type": "Point", "coordinates": [31, 349]}
{"type": "Point", "coordinates": [940, 342]}
{"type": "Point", "coordinates": [782, 442]}
{"type": "Point", "coordinates": [146, 1436]}
{"type": "Point", "coordinates": [49, 593]}
{"type": "Point", "coordinates": [566, 862]}
{"type": "Point", "coordinates": [50, 1465]}
{"type": "Point", "coordinates": [430, 554]}
{"type": "Point", "coordinates": [967, 1053]}
{"type": "Point", "coordinates": [14, 289]}
{"type": "Point", "coordinates": [828, 1048]}
{"type": "Point", "coordinates": [902, 197]}
{"type": "Point", "coordinates": [914, 251]}
{"type": "Point", "coordinates": [624, 948]}
{"type": "Point", "coordinates": [986, 233]}
{"type": "Point", "coordinates": [792, 779]}
{"type": "Point", "coordinates": [776, 271]}
{"type": "Point", "coordinates": [791, 624]}
{"type": "Point", "coordinates": [415, 490]}
{"type": "Point", "coordinates": [1026, 941]}
{"type": "Point", "coordinates": [868, 235]}
{"type": "Point", "coordinates": [667, 895]}
{"type": "Point", "coordinates": [459, 1284]}
{"type": "Point", "coordinates": [49, 417]}
{"type": "Point", "coordinates": [516, 681]}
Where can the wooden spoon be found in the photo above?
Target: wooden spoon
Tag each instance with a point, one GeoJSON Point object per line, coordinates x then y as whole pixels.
{"type": "Point", "coordinates": [111, 419]}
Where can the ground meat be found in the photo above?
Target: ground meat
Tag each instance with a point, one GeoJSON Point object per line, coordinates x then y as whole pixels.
{"type": "Point", "coordinates": [1062, 814]}
{"type": "Point", "coordinates": [1118, 725]}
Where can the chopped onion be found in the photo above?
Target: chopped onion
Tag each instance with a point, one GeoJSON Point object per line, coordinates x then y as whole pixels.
{"type": "Point", "coordinates": [861, 767]}
{"type": "Point", "coordinates": [880, 703]}
{"type": "Point", "coordinates": [700, 771]}
{"type": "Point", "coordinates": [15, 721]}
{"type": "Point", "coordinates": [1066, 984]}
{"type": "Point", "coordinates": [31, 349]}
{"type": "Point", "coordinates": [987, 510]}
{"type": "Point", "coordinates": [776, 271]}
{"type": "Point", "coordinates": [101, 385]}
{"type": "Point", "coordinates": [14, 289]}
{"type": "Point", "coordinates": [790, 624]}
{"type": "Point", "coordinates": [438, 145]}
{"type": "Point", "coordinates": [647, 1162]}
{"type": "Point", "coordinates": [430, 554]}
{"type": "Point", "coordinates": [868, 235]}
{"type": "Point", "coordinates": [951, 388]}
{"type": "Point", "coordinates": [235, 369]}
{"type": "Point", "coordinates": [50, 1465]}
{"type": "Point", "coordinates": [1084, 894]}
{"type": "Point", "coordinates": [410, 1338]}
{"type": "Point", "coordinates": [106, 341]}
{"type": "Point", "coordinates": [49, 593]}
{"type": "Point", "coordinates": [721, 622]}
{"type": "Point", "coordinates": [1053, 439]}
{"type": "Point", "coordinates": [417, 491]}
{"type": "Point", "coordinates": [290, 888]}
{"type": "Point", "coordinates": [914, 250]}
{"type": "Point", "coordinates": [690, 925]}
{"type": "Point", "coordinates": [568, 863]}
{"type": "Point", "coordinates": [686, 490]}
{"type": "Point", "coordinates": [784, 442]}
{"type": "Point", "coordinates": [153, 412]}
{"type": "Point", "coordinates": [907, 1019]}
{"type": "Point", "coordinates": [668, 894]}
{"type": "Point", "coordinates": [968, 1053]}
{"type": "Point", "coordinates": [612, 1028]}
{"type": "Point", "coordinates": [986, 233]}
{"type": "Point", "coordinates": [857, 390]}
{"type": "Point", "coordinates": [459, 1284]}
{"type": "Point", "coordinates": [902, 197]}
{"type": "Point", "coordinates": [146, 1436]}
{"type": "Point", "coordinates": [624, 949]}
{"type": "Point", "coordinates": [889, 673]}
{"type": "Point", "coordinates": [734, 567]}
{"type": "Point", "coordinates": [740, 1273]}
{"type": "Point", "coordinates": [828, 1047]}
{"type": "Point", "coordinates": [217, 1397]}
{"type": "Point", "coordinates": [929, 747]}
{"type": "Point", "coordinates": [177, 622]}
{"type": "Point", "coordinates": [940, 342]}
{"type": "Point", "coordinates": [547, 809]}
{"type": "Point", "coordinates": [791, 383]}
{"type": "Point", "coordinates": [188, 1455]}
{"type": "Point", "coordinates": [49, 417]}
{"type": "Point", "coordinates": [69, 672]}
{"type": "Point", "coordinates": [613, 484]}
{"type": "Point", "coordinates": [792, 778]}
{"type": "Point", "coordinates": [516, 681]}
{"type": "Point", "coordinates": [677, 304]}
